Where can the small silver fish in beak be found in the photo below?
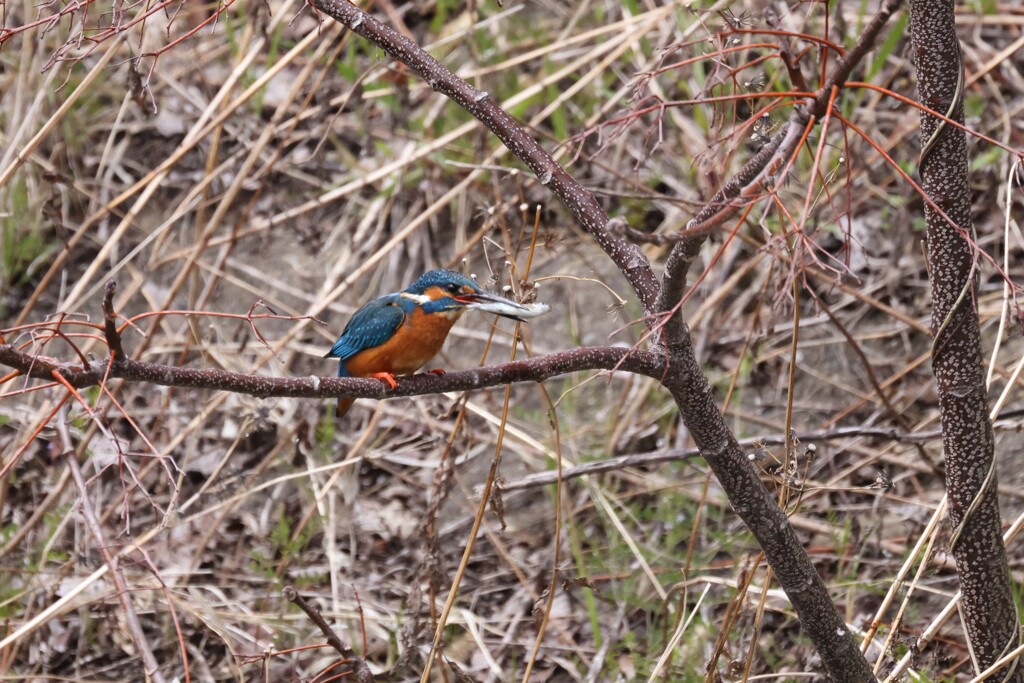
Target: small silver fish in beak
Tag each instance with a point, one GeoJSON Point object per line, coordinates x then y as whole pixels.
{"type": "Point", "coordinates": [499, 305]}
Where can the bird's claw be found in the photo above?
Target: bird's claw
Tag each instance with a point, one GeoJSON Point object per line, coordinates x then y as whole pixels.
{"type": "Point", "coordinates": [386, 377]}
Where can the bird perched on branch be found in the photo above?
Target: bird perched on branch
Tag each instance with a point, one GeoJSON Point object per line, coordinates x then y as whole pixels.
{"type": "Point", "coordinates": [397, 334]}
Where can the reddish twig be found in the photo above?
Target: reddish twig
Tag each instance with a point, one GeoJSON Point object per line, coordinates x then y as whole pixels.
{"type": "Point", "coordinates": [31, 438]}
{"type": "Point", "coordinates": [838, 49]}
{"type": "Point", "coordinates": [675, 275]}
{"type": "Point", "coordinates": [1016, 151]}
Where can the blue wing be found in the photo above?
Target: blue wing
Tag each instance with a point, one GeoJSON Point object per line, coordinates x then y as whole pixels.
{"type": "Point", "coordinates": [372, 325]}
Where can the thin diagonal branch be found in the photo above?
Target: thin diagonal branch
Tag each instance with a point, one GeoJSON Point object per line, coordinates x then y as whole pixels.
{"type": "Point", "coordinates": [683, 377]}
{"type": "Point", "coordinates": [591, 216]}
{"type": "Point", "coordinates": [113, 337]}
{"type": "Point", "coordinates": [355, 664]}
{"type": "Point", "coordinates": [131, 618]}
{"type": "Point", "coordinates": [746, 183]}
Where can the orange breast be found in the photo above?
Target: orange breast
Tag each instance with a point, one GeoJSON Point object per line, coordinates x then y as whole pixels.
{"type": "Point", "coordinates": [418, 340]}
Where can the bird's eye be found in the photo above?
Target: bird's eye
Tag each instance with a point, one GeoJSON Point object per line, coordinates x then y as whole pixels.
{"type": "Point", "coordinates": [454, 288]}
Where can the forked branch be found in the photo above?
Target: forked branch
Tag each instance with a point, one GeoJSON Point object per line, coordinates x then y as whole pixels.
{"type": "Point", "coordinates": [759, 173]}
{"type": "Point", "coordinates": [629, 258]}
{"type": "Point", "coordinates": [682, 374]}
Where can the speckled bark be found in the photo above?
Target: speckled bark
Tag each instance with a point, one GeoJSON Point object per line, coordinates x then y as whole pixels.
{"type": "Point", "coordinates": [629, 258]}
{"type": "Point", "coordinates": [751, 499]}
{"type": "Point", "coordinates": [758, 509]}
{"type": "Point", "coordinates": [988, 608]}
{"type": "Point", "coordinates": [536, 369]}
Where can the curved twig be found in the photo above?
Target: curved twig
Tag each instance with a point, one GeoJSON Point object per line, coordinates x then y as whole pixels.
{"type": "Point", "coordinates": [745, 183]}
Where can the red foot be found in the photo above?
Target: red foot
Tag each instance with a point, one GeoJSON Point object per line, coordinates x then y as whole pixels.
{"type": "Point", "coordinates": [386, 377]}
{"type": "Point", "coordinates": [436, 371]}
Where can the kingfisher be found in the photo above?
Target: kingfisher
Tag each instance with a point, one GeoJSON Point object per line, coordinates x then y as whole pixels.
{"type": "Point", "coordinates": [396, 334]}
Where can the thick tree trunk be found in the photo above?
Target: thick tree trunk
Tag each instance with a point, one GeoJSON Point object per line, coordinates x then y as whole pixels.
{"type": "Point", "coordinates": [988, 610]}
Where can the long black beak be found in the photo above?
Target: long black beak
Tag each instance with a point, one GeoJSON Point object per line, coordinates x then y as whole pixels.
{"type": "Point", "coordinates": [499, 305]}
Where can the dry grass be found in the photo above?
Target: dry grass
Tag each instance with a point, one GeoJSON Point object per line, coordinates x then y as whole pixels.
{"type": "Point", "coordinates": [296, 168]}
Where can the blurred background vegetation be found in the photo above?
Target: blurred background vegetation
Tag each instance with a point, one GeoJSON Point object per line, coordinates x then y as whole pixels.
{"type": "Point", "coordinates": [212, 158]}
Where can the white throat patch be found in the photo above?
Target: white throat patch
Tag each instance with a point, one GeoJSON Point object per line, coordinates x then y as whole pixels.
{"type": "Point", "coordinates": [418, 298]}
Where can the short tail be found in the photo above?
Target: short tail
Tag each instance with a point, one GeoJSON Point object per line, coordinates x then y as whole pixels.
{"type": "Point", "coordinates": [343, 405]}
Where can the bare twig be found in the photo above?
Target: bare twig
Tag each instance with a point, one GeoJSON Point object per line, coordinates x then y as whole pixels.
{"type": "Point", "coordinates": [113, 337]}
{"type": "Point", "coordinates": [92, 521]}
{"type": "Point", "coordinates": [845, 64]}
{"type": "Point", "coordinates": [358, 666]}
{"type": "Point", "coordinates": [721, 206]}
{"type": "Point", "coordinates": [677, 454]}
{"type": "Point", "coordinates": [683, 376]}
{"type": "Point", "coordinates": [747, 183]}
{"type": "Point", "coordinates": [592, 217]}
